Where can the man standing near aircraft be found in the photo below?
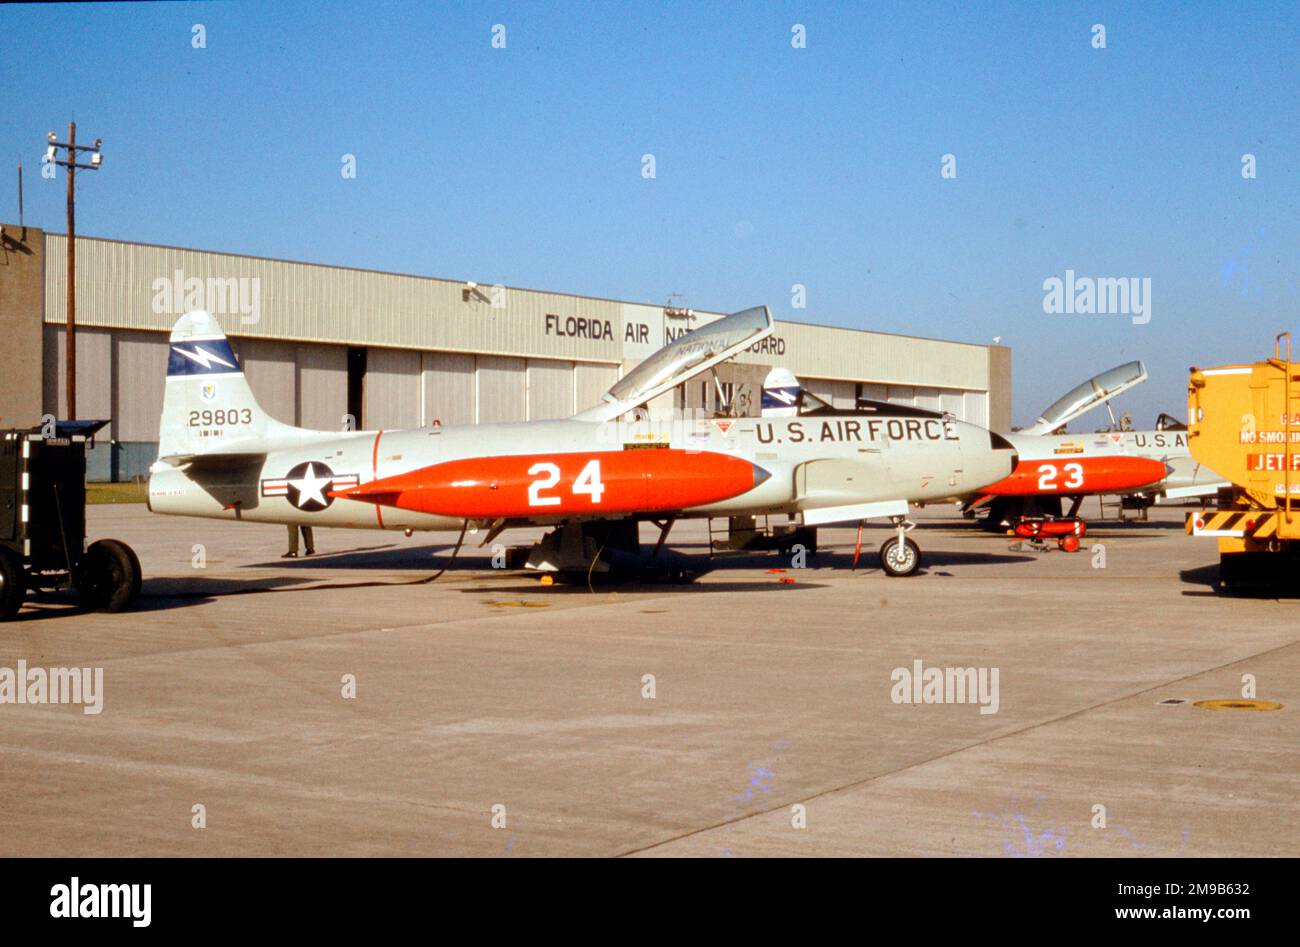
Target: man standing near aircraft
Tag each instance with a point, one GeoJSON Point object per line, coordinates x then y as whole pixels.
{"type": "Point", "coordinates": [308, 538]}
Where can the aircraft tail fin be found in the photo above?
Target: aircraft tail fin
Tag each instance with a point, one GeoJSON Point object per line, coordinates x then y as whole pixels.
{"type": "Point", "coordinates": [782, 393]}
{"type": "Point", "coordinates": [208, 406]}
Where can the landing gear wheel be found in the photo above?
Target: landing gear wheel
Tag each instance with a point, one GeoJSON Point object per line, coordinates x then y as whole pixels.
{"type": "Point", "coordinates": [13, 584]}
{"type": "Point", "coordinates": [110, 576]}
{"type": "Point", "coordinates": [1070, 543]}
{"type": "Point", "coordinates": [899, 559]}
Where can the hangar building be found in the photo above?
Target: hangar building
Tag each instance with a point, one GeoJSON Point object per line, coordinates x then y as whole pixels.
{"type": "Point", "coordinates": [322, 343]}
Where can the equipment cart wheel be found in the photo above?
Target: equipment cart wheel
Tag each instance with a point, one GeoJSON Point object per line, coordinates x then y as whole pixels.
{"type": "Point", "coordinates": [899, 558]}
{"type": "Point", "coordinates": [110, 576]}
{"type": "Point", "coordinates": [13, 583]}
{"type": "Point", "coordinates": [1070, 543]}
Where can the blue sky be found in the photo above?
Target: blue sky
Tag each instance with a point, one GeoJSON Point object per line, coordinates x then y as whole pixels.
{"type": "Point", "coordinates": [774, 165]}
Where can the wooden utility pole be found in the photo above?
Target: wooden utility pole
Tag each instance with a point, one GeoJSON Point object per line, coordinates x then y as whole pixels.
{"type": "Point", "coordinates": [71, 147]}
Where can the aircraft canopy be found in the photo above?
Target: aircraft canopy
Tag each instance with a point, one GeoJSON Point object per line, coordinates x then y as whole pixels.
{"type": "Point", "coordinates": [1093, 392]}
{"type": "Point", "coordinates": [681, 360]}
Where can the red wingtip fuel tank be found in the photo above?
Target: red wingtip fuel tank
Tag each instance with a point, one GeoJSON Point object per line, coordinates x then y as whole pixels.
{"type": "Point", "coordinates": [529, 485]}
{"type": "Point", "coordinates": [1104, 474]}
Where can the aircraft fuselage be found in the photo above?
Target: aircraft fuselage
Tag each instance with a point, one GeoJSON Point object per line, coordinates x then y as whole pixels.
{"type": "Point", "coordinates": [549, 471]}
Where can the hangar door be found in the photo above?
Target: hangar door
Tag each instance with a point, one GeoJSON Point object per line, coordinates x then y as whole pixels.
{"type": "Point", "coordinates": [976, 407]}
{"type": "Point", "coordinates": [392, 397]}
{"type": "Point", "coordinates": [322, 386]}
{"type": "Point", "coordinates": [591, 382]}
{"type": "Point", "coordinates": [550, 389]}
{"type": "Point", "coordinates": [272, 372]}
{"type": "Point", "coordinates": [448, 388]}
{"type": "Point", "coordinates": [501, 392]}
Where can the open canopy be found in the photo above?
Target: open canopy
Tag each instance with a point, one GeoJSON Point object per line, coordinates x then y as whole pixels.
{"type": "Point", "coordinates": [681, 360]}
{"type": "Point", "coordinates": [1083, 398]}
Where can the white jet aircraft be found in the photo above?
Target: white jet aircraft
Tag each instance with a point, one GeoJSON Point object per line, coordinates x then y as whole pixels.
{"type": "Point", "coordinates": [595, 475]}
{"type": "Point", "coordinates": [1146, 464]}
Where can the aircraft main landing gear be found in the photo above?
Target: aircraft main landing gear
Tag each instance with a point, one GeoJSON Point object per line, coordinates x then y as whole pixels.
{"type": "Point", "coordinates": [578, 551]}
{"type": "Point", "coordinates": [900, 556]}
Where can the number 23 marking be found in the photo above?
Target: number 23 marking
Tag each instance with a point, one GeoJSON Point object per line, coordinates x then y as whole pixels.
{"type": "Point", "coordinates": [1047, 477]}
{"type": "Point", "coordinates": [587, 482]}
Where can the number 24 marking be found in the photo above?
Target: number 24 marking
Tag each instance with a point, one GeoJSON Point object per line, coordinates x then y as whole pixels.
{"type": "Point", "coordinates": [588, 482]}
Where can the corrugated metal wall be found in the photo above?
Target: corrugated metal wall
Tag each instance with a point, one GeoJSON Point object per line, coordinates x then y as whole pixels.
{"type": "Point", "coordinates": [137, 286]}
{"type": "Point", "coordinates": [437, 349]}
{"type": "Point", "coordinates": [830, 352]}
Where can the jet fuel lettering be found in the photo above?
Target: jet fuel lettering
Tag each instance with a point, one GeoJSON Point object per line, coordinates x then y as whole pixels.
{"type": "Point", "coordinates": [1271, 462]}
{"type": "Point", "coordinates": [843, 430]}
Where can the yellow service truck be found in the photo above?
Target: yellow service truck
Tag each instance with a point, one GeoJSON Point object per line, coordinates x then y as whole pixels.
{"type": "Point", "coordinates": [1244, 422]}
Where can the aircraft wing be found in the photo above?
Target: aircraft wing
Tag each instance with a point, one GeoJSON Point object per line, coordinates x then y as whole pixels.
{"type": "Point", "coordinates": [681, 360]}
{"type": "Point", "coordinates": [1083, 398]}
{"type": "Point", "coordinates": [1190, 493]}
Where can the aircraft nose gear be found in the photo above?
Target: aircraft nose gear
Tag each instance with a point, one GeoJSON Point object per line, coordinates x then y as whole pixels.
{"type": "Point", "coordinates": [900, 556]}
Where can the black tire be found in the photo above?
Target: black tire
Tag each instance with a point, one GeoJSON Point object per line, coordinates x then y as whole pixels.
{"type": "Point", "coordinates": [13, 583]}
{"type": "Point", "coordinates": [898, 561]}
{"type": "Point", "coordinates": [1253, 573]}
{"type": "Point", "coordinates": [110, 576]}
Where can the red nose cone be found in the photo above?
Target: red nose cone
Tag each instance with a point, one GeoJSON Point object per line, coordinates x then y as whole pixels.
{"type": "Point", "coordinates": [1113, 474]}
{"type": "Point", "coordinates": [596, 482]}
